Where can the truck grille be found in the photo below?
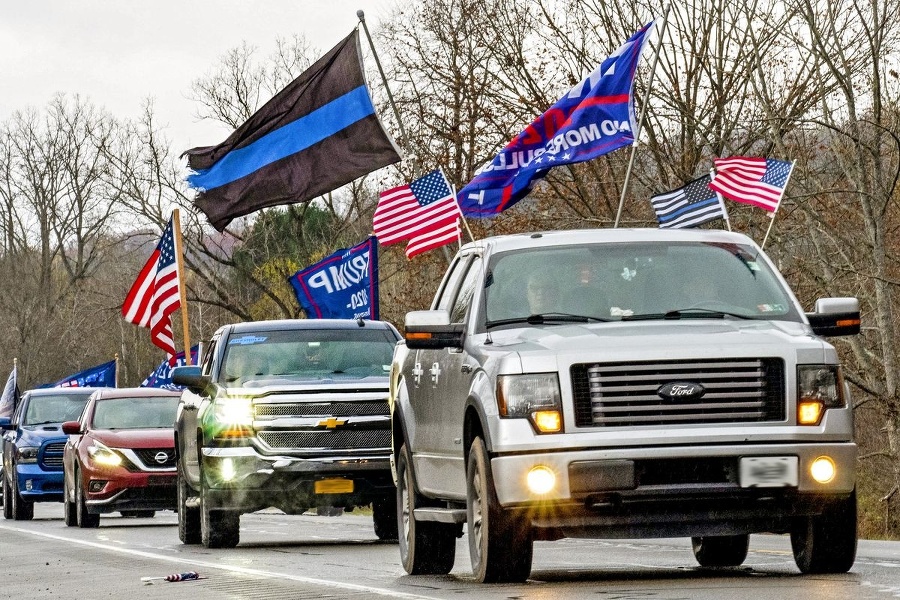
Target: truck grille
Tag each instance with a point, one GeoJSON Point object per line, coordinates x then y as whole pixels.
{"type": "Point", "coordinates": [369, 439]}
{"type": "Point", "coordinates": [322, 409]}
{"type": "Point", "coordinates": [53, 455]}
{"type": "Point", "coordinates": [738, 390]}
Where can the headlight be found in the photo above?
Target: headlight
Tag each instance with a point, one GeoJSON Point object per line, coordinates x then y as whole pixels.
{"type": "Point", "coordinates": [103, 455]}
{"type": "Point", "coordinates": [233, 417]}
{"type": "Point", "coordinates": [26, 454]}
{"type": "Point", "coordinates": [819, 387]}
{"type": "Point", "coordinates": [533, 396]}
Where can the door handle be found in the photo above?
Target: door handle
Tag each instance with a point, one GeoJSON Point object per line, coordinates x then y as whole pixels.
{"type": "Point", "coordinates": [466, 368]}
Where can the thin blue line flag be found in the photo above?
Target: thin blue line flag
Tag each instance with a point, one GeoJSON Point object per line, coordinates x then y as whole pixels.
{"type": "Point", "coordinates": [594, 118]}
{"type": "Point", "coordinates": [343, 285]}
{"type": "Point", "coordinates": [317, 134]}
{"type": "Point", "coordinates": [690, 205]}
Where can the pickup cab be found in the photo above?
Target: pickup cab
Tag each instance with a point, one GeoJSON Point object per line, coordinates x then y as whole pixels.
{"type": "Point", "coordinates": [290, 414]}
{"type": "Point", "coordinates": [618, 384]}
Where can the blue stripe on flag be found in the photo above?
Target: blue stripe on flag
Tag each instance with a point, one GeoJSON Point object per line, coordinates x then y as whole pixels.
{"type": "Point", "coordinates": [689, 208]}
{"type": "Point", "coordinates": [290, 139]}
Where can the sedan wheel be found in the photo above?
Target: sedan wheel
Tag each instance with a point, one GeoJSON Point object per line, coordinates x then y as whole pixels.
{"type": "Point", "coordinates": [84, 519]}
{"type": "Point", "coordinates": [70, 513]}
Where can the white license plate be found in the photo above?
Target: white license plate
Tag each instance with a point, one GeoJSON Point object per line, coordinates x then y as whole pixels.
{"type": "Point", "coordinates": [769, 471]}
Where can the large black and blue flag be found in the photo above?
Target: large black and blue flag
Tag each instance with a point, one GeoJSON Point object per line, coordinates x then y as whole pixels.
{"type": "Point", "coordinates": [100, 376]}
{"type": "Point", "coordinates": [594, 118]}
{"type": "Point", "coordinates": [343, 285]}
{"type": "Point", "coordinates": [317, 134]}
{"type": "Point", "coordinates": [688, 206]}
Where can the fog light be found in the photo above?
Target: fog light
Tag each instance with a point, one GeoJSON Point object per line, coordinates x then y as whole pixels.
{"type": "Point", "coordinates": [96, 485]}
{"type": "Point", "coordinates": [28, 485]}
{"type": "Point", "coordinates": [547, 421]}
{"type": "Point", "coordinates": [541, 479]}
{"type": "Point", "coordinates": [809, 413]}
{"type": "Point", "coordinates": [823, 469]}
{"type": "Point", "coordinates": [227, 470]}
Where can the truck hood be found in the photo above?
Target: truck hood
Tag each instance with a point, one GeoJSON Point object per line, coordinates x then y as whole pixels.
{"type": "Point", "coordinates": [643, 340]}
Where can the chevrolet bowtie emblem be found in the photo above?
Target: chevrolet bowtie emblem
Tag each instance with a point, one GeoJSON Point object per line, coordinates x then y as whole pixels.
{"type": "Point", "coordinates": [331, 422]}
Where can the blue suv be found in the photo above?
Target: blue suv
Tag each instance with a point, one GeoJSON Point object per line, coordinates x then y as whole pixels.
{"type": "Point", "coordinates": [33, 444]}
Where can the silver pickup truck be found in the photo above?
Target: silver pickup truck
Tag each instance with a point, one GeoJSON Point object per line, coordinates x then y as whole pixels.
{"type": "Point", "coordinates": [621, 383]}
{"type": "Point", "coordinates": [288, 413]}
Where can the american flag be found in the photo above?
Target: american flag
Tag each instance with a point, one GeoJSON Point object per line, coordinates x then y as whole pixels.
{"type": "Point", "coordinates": [688, 206]}
{"type": "Point", "coordinates": [425, 212]}
{"type": "Point", "coordinates": [752, 180]}
{"type": "Point", "coordinates": [155, 295]}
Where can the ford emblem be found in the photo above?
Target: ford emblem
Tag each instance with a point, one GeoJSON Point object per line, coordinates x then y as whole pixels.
{"type": "Point", "coordinates": [161, 457]}
{"type": "Point", "coordinates": [677, 391]}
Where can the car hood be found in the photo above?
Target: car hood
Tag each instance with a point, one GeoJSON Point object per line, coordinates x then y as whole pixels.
{"type": "Point", "coordinates": [35, 435]}
{"type": "Point", "coordinates": [644, 340]}
{"type": "Point", "coordinates": [135, 438]}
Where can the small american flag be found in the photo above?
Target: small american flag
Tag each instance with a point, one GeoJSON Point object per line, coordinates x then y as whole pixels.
{"type": "Point", "coordinates": [688, 206]}
{"type": "Point", "coordinates": [752, 180]}
{"type": "Point", "coordinates": [425, 212]}
{"type": "Point", "coordinates": [155, 295]}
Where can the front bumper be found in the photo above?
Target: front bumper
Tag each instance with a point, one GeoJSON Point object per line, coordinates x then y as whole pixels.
{"type": "Point", "coordinates": [669, 491]}
{"type": "Point", "coordinates": [131, 491]}
{"type": "Point", "coordinates": [38, 485]}
{"type": "Point", "coordinates": [241, 479]}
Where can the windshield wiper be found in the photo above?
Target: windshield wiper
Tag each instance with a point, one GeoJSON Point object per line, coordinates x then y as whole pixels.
{"type": "Point", "coordinates": [540, 319]}
{"type": "Point", "coordinates": [687, 313]}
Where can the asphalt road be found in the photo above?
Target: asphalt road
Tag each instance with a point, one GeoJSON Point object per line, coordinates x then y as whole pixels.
{"type": "Point", "coordinates": [313, 557]}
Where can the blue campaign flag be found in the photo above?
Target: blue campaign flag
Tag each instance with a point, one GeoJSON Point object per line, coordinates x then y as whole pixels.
{"type": "Point", "coordinates": [594, 118]}
{"type": "Point", "coordinates": [10, 396]}
{"type": "Point", "coordinates": [161, 377]}
{"type": "Point", "coordinates": [343, 285]}
{"type": "Point", "coordinates": [100, 376]}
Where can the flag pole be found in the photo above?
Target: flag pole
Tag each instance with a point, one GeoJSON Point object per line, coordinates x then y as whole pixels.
{"type": "Point", "coordinates": [176, 221]}
{"type": "Point", "coordinates": [116, 369]}
{"type": "Point", "coordinates": [777, 206]}
{"type": "Point", "coordinates": [712, 176]}
{"type": "Point", "coordinates": [646, 107]}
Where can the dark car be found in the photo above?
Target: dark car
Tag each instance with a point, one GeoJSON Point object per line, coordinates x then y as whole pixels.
{"type": "Point", "coordinates": [33, 444]}
{"type": "Point", "coordinates": [120, 457]}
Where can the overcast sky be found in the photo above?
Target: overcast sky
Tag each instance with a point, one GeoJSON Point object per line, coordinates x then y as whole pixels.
{"type": "Point", "coordinates": [119, 52]}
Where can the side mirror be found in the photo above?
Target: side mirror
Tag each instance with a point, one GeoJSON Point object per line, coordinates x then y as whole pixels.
{"type": "Point", "coordinates": [190, 377]}
{"type": "Point", "coordinates": [835, 317]}
{"type": "Point", "coordinates": [431, 329]}
{"type": "Point", "coordinates": [6, 423]}
{"type": "Point", "coordinates": [72, 428]}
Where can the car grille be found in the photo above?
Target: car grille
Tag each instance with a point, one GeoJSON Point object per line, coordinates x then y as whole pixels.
{"type": "Point", "coordinates": [321, 409]}
{"type": "Point", "coordinates": [738, 390]}
{"type": "Point", "coordinates": [148, 457]}
{"type": "Point", "coordinates": [368, 439]}
{"type": "Point", "coordinates": [53, 455]}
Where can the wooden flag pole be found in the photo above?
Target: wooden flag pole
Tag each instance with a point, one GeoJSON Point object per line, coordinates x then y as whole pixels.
{"type": "Point", "coordinates": [176, 220]}
{"type": "Point", "coordinates": [777, 206]}
{"type": "Point", "coordinates": [116, 369]}
{"type": "Point", "coordinates": [644, 112]}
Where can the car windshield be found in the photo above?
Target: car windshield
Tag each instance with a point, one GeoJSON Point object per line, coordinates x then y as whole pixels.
{"type": "Point", "coordinates": [54, 408]}
{"type": "Point", "coordinates": [640, 280]}
{"type": "Point", "coordinates": [135, 413]}
{"type": "Point", "coordinates": [307, 354]}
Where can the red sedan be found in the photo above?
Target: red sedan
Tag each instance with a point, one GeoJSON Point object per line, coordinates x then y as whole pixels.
{"type": "Point", "coordinates": [120, 456]}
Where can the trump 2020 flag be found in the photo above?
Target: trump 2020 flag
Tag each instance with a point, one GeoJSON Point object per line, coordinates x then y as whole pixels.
{"type": "Point", "coordinates": [10, 396]}
{"type": "Point", "coordinates": [100, 376]}
{"type": "Point", "coordinates": [343, 285]}
{"type": "Point", "coordinates": [155, 294]}
{"type": "Point", "coordinates": [752, 180]}
{"type": "Point", "coordinates": [594, 118]}
{"type": "Point", "coordinates": [688, 206]}
{"type": "Point", "coordinates": [161, 377]}
{"type": "Point", "coordinates": [317, 134]}
{"type": "Point", "coordinates": [424, 212]}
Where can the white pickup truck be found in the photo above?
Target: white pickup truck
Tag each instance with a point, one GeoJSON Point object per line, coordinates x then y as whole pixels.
{"type": "Point", "coordinates": [621, 383]}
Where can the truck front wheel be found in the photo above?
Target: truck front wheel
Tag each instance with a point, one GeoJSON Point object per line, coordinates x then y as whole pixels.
{"type": "Point", "coordinates": [720, 550]}
{"type": "Point", "coordinates": [500, 543]}
{"type": "Point", "coordinates": [426, 548]}
{"type": "Point", "coordinates": [218, 528]}
{"type": "Point", "coordinates": [826, 543]}
{"type": "Point", "coordinates": [384, 518]}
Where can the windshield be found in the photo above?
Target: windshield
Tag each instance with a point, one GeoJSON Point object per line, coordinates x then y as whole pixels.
{"type": "Point", "coordinates": [634, 280]}
{"type": "Point", "coordinates": [135, 413]}
{"type": "Point", "coordinates": [54, 409]}
{"type": "Point", "coordinates": [307, 354]}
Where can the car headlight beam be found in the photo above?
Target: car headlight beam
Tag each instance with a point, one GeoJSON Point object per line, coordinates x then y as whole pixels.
{"type": "Point", "coordinates": [534, 396]}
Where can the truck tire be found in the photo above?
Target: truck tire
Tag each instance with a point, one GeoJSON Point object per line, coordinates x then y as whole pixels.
{"type": "Point", "coordinates": [7, 499]}
{"type": "Point", "coordinates": [22, 509]}
{"type": "Point", "coordinates": [720, 550]}
{"type": "Point", "coordinates": [84, 519]}
{"type": "Point", "coordinates": [826, 543]}
{"type": "Point", "coordinates": [70, 513]}
{"type": "Point", "coordinates": [218, 528]}
{"type": "Point", "coordinates": [500, 544]}
{"type": "Point", "coordinates": [426, 548]}
{"type": "Point", "coordinates": [188, 518]}
{"type": "Point", "coordinates": [384, 518]}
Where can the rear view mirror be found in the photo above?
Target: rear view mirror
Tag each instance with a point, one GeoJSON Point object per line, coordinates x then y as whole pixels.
{"type": "Point", "coordinates": [190, 377]}
{"type": "Point", "coordinates": [835, 317]}
{"type": "Point", "coordinates": [72, 428]}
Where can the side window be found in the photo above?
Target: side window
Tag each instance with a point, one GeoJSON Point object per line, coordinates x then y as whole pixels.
{"type": "Point", "coordinates": [208, 353]}
{"type": "Point", "coordinates": [448, 289]}
{"type": "Point", "coordinates": [20, 409]}
{"type": "Point", "coordinates": [466, 292]}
